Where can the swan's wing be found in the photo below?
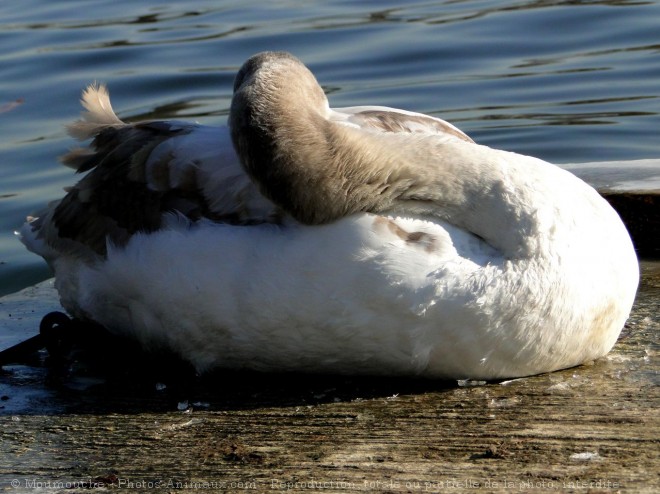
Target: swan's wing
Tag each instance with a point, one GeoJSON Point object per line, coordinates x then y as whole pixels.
{"type": "Point", "coordinates": [385, 119]}
{"type": "Point", "coordinates": [138, 174]}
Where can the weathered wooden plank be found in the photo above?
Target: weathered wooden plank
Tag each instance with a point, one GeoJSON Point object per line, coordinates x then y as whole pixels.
{"type": "Point", "coordinates": [594, 428]}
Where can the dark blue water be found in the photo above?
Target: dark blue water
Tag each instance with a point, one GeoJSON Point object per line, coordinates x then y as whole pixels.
{"type": "Point", "coordinates": [568, 81]}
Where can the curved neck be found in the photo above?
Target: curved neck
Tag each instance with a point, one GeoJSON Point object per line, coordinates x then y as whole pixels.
{"type": "Point", "coordinates": [319, 171]}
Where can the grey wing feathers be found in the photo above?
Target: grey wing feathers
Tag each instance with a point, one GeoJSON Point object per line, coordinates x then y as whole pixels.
{"type": "Point", "coordinates": [391, 120]}
{"type": "Point", "coordinates": [114, 200]}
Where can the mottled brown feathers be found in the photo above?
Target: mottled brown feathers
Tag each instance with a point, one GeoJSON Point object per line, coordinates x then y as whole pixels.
{"type": "Point", "coordinates": [426, 241]}
{"type": "Point", "coordinates": [388, 121]}
{"type": "Point", "coordinates": [115, 200]}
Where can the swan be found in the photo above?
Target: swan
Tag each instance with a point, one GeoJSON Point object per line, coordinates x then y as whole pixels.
{"type": "Point", "coordinates": [362, 240]}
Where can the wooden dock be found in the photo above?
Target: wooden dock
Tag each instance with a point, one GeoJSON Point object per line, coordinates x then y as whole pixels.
{"type": "Point", "coordinates": [111, 421]}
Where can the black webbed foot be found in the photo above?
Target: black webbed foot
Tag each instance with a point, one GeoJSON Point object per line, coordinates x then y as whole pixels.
{"type": "Point", "coordinates": [57, 334]}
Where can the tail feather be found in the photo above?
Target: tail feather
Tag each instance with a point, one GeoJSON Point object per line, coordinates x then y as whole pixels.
{"type": "Point", "coordinates": [98, 113]}
{"type": "Point", "coordinates": [98, 116]}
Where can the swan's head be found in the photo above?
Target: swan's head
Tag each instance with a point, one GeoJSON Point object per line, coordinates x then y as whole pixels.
{"type": "Point", "coordinates": [275, 81]}
{"type": "Point", "coordinates": [277, 115]}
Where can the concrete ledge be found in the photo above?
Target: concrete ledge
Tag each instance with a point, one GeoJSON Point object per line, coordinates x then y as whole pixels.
{"type": "Point", "coordinates": [633, 189]}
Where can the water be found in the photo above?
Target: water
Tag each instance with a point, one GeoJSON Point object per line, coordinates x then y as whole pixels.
{"type": "Point", "coordinates": [566, 81]}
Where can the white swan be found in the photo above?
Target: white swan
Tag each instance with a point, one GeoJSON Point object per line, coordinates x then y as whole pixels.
{"type": "Point", "coordinates": [393, 244]}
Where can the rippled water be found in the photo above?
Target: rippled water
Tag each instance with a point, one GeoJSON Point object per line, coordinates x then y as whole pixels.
{"type": "Point", "coordinates": [562, 80]}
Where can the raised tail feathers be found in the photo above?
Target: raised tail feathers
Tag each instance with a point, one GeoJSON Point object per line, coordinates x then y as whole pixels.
{"type": "Point", "coordinates": [97, 116]}
{"type": "Point", "coordinates": [98, 113]}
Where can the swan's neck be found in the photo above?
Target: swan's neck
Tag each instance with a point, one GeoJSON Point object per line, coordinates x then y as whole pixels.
{"type": "Point", "coordinates": [319, 171]}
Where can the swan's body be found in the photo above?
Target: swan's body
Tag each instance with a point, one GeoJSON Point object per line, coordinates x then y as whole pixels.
{"type": "Point", "coordinates": [393, 244]}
